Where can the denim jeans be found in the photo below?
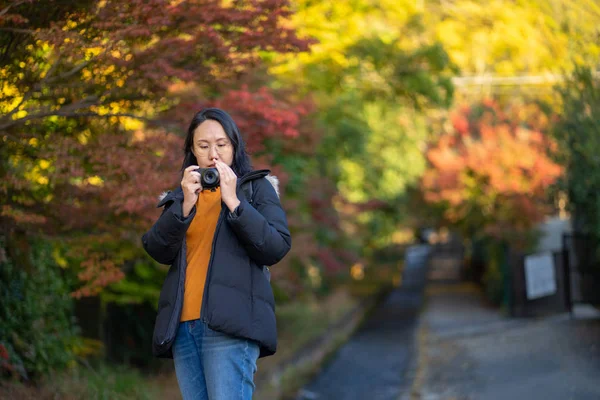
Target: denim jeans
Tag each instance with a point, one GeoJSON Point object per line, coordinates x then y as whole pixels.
{"type": "Point", "coordinates": [211, 365]}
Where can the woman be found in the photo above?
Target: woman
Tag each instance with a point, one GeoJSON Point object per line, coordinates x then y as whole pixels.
{"type": "Point", "coordinates": [216, 308]}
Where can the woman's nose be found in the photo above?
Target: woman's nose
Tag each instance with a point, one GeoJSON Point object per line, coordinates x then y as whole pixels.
{"type": "Point", "coordinates": [213, 154]}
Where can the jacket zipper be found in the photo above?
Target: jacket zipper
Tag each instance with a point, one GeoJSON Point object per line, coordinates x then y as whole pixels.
{"type": "Point", "coordinates": [210, 262]}
{"type": "Point", "coordinates": [203, 316]}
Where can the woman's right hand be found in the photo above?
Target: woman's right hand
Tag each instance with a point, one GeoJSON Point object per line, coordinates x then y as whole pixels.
{"type": "Point", "coordinates": [190, 183]}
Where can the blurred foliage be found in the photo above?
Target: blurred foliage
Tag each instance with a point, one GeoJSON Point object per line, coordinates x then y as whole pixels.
{"type": "Point", "coordinates": [514, 49]}
{"type": "Point", "coordinates": [37, 329]}
{"type": "Point", "coordinates": [94, 98]}
{"type": "Point", "coordinates": [104, 381]}
{"type": "Point", "coordinates": [495, 273]}
{"type": "Point", "coordinates": [373, 75]}
{"type": "Point", "coordinates": [577, 133]}
{"type": "Point", "coordinates": [101, 381]}
{"type": "Point", "coordinates": [515, 37]}
{"type": "Point", "coordinates": [490, 169]}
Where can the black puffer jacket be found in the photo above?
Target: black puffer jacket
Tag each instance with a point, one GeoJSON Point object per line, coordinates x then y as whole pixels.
{"type": "Point", "coordinates": [238, 299]}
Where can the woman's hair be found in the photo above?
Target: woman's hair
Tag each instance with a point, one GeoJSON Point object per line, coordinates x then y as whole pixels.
{"type": "Point", "coordinates": [241, 160]}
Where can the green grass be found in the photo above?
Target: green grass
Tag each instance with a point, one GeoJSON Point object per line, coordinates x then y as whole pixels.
{"type": "Point", "coordinates": [101, 382]}
{"type": "Point", "coordinates": [299, 324]}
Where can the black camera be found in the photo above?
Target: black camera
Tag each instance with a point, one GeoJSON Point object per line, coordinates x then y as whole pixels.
{"type": "Point", "coordinates": [209, 177]}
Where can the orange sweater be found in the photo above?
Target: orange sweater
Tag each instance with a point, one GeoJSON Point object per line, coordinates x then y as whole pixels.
{"type": "Point", "coordinates": [199, 238]}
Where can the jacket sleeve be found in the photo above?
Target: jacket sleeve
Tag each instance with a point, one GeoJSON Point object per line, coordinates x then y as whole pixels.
{"type": "Point", "coordinates": [163, 241]}
{"type": "Point", "coordinates": [262, 227]}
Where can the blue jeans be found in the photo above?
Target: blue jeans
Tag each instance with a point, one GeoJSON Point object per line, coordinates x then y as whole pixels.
{"type": "Point", "coordinates": [213, 365]}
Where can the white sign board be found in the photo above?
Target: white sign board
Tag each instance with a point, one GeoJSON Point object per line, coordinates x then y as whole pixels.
{"type": "Point", "coordinates": [539, 275]}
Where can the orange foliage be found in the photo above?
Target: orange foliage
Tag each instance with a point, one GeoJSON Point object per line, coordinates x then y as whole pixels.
{"type": "Point", "coordinates": [492, 169]}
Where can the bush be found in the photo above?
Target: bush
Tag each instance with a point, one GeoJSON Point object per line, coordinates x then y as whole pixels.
{"type": "Point", "coordinates": [37, 331]}
{"type": "Point", "coordinates": [578, 137]}
{"type": "Point", "coordinates": [495, 273]}
{"type": "Point", "coordinates": [493, 282]}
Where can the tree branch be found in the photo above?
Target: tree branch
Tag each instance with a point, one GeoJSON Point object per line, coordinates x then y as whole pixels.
{"type": "Point", "coordinates": [70, 73]}
{"type": "Point", "coordinates": [47, 79]}
{"type": "Point", "coordinates": [73, 113]}
{"type": "Point", "coordinates": [30, 93]}
{"type": "Point", "coordinates": [8, 7]}
{"type": "Point", "coordinates": [68, 110]}
{"type": "Point", "coordinates": [17, 30]}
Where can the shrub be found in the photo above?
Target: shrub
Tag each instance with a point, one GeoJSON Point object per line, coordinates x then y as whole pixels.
{"type": "Point", "coordinates": [37, 331]}
{"type": "Point", "coordinates": [578, 137]}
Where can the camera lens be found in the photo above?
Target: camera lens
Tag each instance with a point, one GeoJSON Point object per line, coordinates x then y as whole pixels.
{"type": "Point", "coordinates": [210, 177]}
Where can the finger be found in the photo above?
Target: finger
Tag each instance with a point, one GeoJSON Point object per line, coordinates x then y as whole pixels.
{"type": "Point", "coordinates": [226, 175]}
{"type": "Point", "coordinates": [225, 166]}
{"type": "Point", "coordinates": [191, 177]}
{"type": "Point", "coordinates": [190, 181]}
{"type": "Point", "coordinates": [226, 170]}
{"type": "Point", "coordinates": [190, 171]}
{"type": "Point", "coordinates": [222, 170]}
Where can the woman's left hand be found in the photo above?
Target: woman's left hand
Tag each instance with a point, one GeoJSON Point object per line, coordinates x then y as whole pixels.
{"type": "Point", "coordinates": [228, 182]}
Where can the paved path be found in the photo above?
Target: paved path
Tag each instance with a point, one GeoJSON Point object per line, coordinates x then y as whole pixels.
{"type": "Point", "coordinates": [372, 364]}
{"type": "Point", "coordinates": [470, 351]}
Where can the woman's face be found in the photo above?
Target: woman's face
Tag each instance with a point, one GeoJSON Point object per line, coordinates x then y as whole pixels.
{"type": "Point", "coordinates": [211, 143]}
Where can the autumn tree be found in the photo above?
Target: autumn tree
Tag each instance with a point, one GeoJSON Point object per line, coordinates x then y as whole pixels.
{"type": "Point", "coordinates": [373, 74]}
{"type": "Point", "coordinates": [491, 169]}
{"type": "Point", "coordinates": [94, 97]}
{"type": "Point", "coordinates": [527, 44]}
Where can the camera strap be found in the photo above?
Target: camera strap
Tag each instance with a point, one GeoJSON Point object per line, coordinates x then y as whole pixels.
{"type": "Point", "coordinates": [248, 191]}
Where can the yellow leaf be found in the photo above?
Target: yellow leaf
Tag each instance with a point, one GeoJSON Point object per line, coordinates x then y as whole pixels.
{"type": "Point", "coordinates": [95, 180]}
{"type": "Point", "coordinates": [131, 124]}
{"type": "Point", "coordinates": [83, 138]}
{"type": "Point", "coordinates": [20, 114]}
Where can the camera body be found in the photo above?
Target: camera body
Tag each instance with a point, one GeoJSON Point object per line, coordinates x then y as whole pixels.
{"type": "Point", "coordinates": [209, 177]}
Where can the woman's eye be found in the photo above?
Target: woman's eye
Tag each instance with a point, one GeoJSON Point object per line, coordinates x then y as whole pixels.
{"type": "Point", "coordinates": [221, 145]}
{"type": "Point", "coordinates": [204, 147]}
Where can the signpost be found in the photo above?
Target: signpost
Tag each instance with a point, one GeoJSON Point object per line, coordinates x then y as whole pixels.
{"type": "Point", "coordinates": [539, 275]}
